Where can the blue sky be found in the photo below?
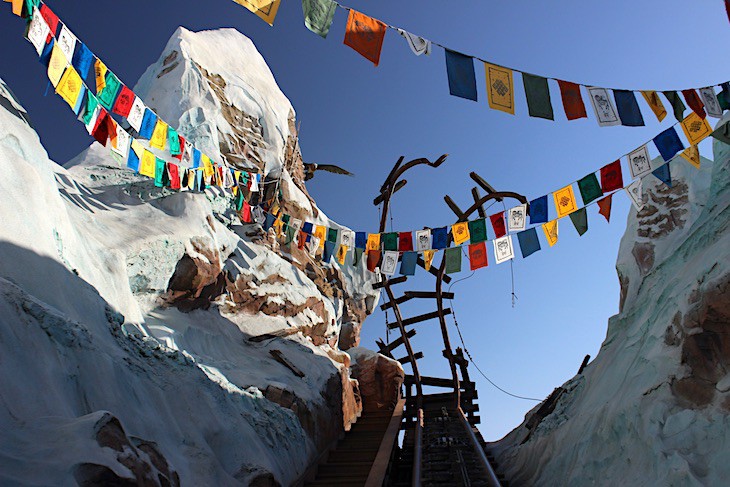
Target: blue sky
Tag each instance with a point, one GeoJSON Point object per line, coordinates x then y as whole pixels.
{"type": "Point", "coordinates": [363, 118]}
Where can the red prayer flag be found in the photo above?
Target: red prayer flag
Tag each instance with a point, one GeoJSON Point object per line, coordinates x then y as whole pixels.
{"type": "Point", "coordinates": [605, 207]}
{"type": "Point", "coordinates": [101, 129]}
{"type": "Point", "coordinates": [405, 241]}
{"type": "Point", "coordinates": [478, 255]}
{"type": "Point", "coordinates": [611, 178]}
{"type": "Point", "coordinates": [301, 240]}
{"type": "Point", "coordinates": [694, 102]}
{"type": "Point", "coordinates": [365, 35]}
{"type": "Point", "coordinates": [51, 19]}
{"type": "Point", "coordinates": [246, 212]}
{"type": "Point", "coordinates": [173, 171]}
{"type": "Point", "coordinates": [572, 100]}
{"type": "Point", "coordinates": [500, 229]}
{"type": "Point", "coordinates": [373, 259]}
{"type": "Point", "coordinates": [182, 147]}
{"type": "Point", "coordinates": [124, 102]}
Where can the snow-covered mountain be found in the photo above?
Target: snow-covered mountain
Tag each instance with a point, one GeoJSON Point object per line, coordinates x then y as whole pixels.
{"type": "Point", "coordinates": [150, 336]}
{"type": "Point", "coordinates": [653, 408]}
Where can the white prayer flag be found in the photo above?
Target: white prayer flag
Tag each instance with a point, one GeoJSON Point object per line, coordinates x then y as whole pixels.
{"type": "Point", "coordinates": [635, 193]}
{"type": "Point", "coordinates": [136, 114]}
{"type": "Point", "coordinates": [517, 218]}
{"type": "Point", "coordinates": [92, 122]}
{"type": "Point", "coordinates": [503, 249]}
{"type": "Point", "coordinates": [603, 107]}
{"type": "Point", "coordinates": [639, 162]}
{"type": "Point", "coordinates": [258, 215]}
{"type": "Point", "coordinates": [295, 224]}
{"type": "Point", "coordinates": [423, 240]}
{"type": "Point", "coordinates": [123, 141]}
{"type": "Point", "coordinates": [347, 238]}
{"type": "Point", "coordinates": [67, 43]}
{"type": "Point", "coordinates": [313, 245]}
{"type": "Point", "coordinates": [254, 182]}
{"type": "Point", "coordinates": [709, 98]}
{"type": "Point", "coordinates": [187, 158]}
{"type": "Point", "coordinates": [418, 44]}
{"type": "Point", "coordinates": [38, 31]}
{"type": "Point", "coordinates": [390, 261]}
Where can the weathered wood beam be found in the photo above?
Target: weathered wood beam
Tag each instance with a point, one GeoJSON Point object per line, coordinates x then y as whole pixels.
{"type": "Point", "coordinates": [419, 318]}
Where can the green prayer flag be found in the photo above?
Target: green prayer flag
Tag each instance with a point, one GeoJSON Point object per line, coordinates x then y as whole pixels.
{"type": "Point", "coordinates": [332, 235]}
{"type": "Point", "coordinates": [173, 139]}
{"type": "Point", "coordinates": [108, 95]}
{"type": "Point", "coordinates": [478, 230]}
{"type": "Point", "coordinates": [318, 15]}
{"type": "Point", "coordinates": [580, 221]}
{"type": "Point", "coordinates": [239, 200]}
{"type": "Point", "coordinates": [453, 260]}
{"type": "Point", "coordinates": [91, 103]}
{"type": "Point", "coordinates": [357, 257]}
{"type": "Point", "coordinates": [538, 96]}
{"type": "Point", "coordinates": [291, 234]}
{"type": "Point", "coordinates": [160, 171]}
{"type": "Point", "coordinates": [677, 104]}
{"type": "Point", "coordinates": [285, 219]}
{"type": "Point", "coordinates": [722, 133]}
{"type": "Point", "coordinates": [389, 241]}
{"type": "Point", "coordinates": [590, 189]}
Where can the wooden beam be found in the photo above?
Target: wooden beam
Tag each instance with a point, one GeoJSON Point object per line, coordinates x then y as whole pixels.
{"type": "Point", "coordinates": [407, 360]}
{"type": "Point", "coordinates": [399, 300]}
{"type": "Point", "coordinates": [382, 459]}
{"type": "Point", "coordinates": [279, 357]}
{"type": "Point", "coordinates": [475, 195]}
{"type": "Point", "coordinates": [420, 318]}
{"type": "Point", "coordinates": [428, 294]}
{"type": "Point", "coordinates": [481, 182]}
{"type": "Point", "coordinates": [454, 207]}
{"type": "Point", "coordinates": [438, 382]}
{"type": "Point", "coordinates": [432, 270]}
{"type": "Point", "coordinates": [395, 280]}
{"type": "Point", "coordinates": [395, 343]}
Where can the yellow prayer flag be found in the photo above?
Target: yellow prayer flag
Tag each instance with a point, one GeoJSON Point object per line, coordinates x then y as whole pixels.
{"type": "Point", "coordinates": [218, 180]}
{"type": "Point", "coordinates": [500, 88]}
{"type": "Point", "coordinates": [69, 87]}
{"type": "Point", "coordinates": [264, 9]}
{"type": "Point", "coordinates": [656, 105]}
{"type": "Point", "coordinates": [692, 155]}
{"type": "Point", "coordinates": [159, 135]}
{"type": "Point", "coordinates": [460, 231]}
{"type": "Point", "coordinates": [565, 203]}
{"type": "Point", "coordinates": [428, 258]}
{"type": "Point", "coordinates": [373, 242]}
{"type": "Point", "coordinates": [551, 231]}
{"type": "Point", "coordinates": [696, 129]}
{"type": "Point", "coordinates": [17, 7]}
{"type": "Point", "coordinates": [56, 65]}
{"type": "Point", "coordinates": [321, 233]}
{"type": "Point", "coordinates": [207, 166]}
{"type": "Point", "coordinates": [100, 72]}
{"type": "Point", "coordinates": [147, 165]}
{"type": "Point", "coordinates": [137, 148]}
{"type": "Point", "coordinates": [341, 254]}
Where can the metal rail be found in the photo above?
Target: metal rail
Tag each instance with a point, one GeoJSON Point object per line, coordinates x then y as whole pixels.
{"type": "Point", "coordinates": [491, 477]}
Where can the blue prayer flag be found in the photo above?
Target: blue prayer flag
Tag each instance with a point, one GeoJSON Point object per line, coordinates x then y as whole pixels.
{"type": "Point", "coordinates": [82, 59]}
{"type": "Point", "coordinates": [628, 108]}
{"type": "Point", "coordinates": [460, 70]}
{"type": "Point", "coordinates": [133, 160]}
{"type": "Point", "coordinates": [668, 143]}
{"type": "Point", "coordinates": [80, 101]}
{"type": "Point", "coordinates": [46, 54]}
{"type": "Point", "coordinates": [538, 210]}
{"type": "Point", "coordinates": [361, 240]}
{"type": "Point", "coordinates": [529, 244]}
{"type": "Point", "coordinates": [269, 222]}
{"type": "Point", "coordinates": [307, 229]}
{"type": "Point", "coordinates": [662, 173]}
{"type": "Point", "coordinates": [408, 263]}
{"type": "Point", "coordinates": [148, 124]}
{"type": "Point", "coordinates": [329, 249]}
{"type": "Point", "coordinates": [440, 238]}
{"type": "Point", "coordinates": [196, 159]}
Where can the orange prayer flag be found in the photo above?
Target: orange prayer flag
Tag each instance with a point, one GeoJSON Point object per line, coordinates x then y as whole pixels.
{"type": "Point", "coordinates": [605, 207]}
{"type": "Point", "coordinates": [17, 7]}
{"type": "Point", "coordinates": [365, 35]}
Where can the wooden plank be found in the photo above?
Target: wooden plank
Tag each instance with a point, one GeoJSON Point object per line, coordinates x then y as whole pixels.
{"type": "Point", "coordinates": [432, 270]}
{"type": "Point", "coordinates": [395, 280]}
{"type": "Point", "coordinates": [407, 360]}
{"type": "Point", "coordinates": [428, 294]}
{"type": "Point", "coordinates": [485, 185]}
{"type": "Point", "coordinates": [454, 207]}
{"type": "Point", "coordinates": [419, 318]}
{"type": "Point", "coordinates": [382, 459]}
{"type": "Point", "coordinates": [399, 300]}
{"type": "Point", "coordinates": [476, 196]}
{"type": "Point", "coordinates": [395, 343]}
{"type": "Point", "coordinates": [279, 357]}
{"type": "Point", "coordinates": [276, 334]}
{"type": "Point", "coordinates": [438, 382]}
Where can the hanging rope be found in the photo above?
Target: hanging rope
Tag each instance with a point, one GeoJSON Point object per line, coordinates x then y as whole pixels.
{"type": "Point", "coordinates": [511, 263]}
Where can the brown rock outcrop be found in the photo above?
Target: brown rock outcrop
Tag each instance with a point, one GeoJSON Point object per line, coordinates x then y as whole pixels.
{"type": "Point", "coordinates": [379, 377]}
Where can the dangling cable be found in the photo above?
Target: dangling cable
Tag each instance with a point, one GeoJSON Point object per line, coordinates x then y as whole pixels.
{"type": "Point", "coordinates": [511, 261]}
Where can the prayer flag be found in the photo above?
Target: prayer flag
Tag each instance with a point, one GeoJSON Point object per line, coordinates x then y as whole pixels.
{"type": "Point", "coordinates": [580, 221]}
{"type": "Point", "coordinates": [365, 35]}
{"type": "Point", "coordinates": [639, 162]}
{"type": "Point", "coordinates": [197, 158]}
{"type": "Point", "coordinates": [341, 254]}
{"type": "Point", "coordinates": [478, 256]}
{"type": "Point", "coordinates": [38, 32]}
{"type": "Point", "coordinates": [503, 250]}
{"type": "Point", "coordinates": [692, 155]}
{"type": "Point", "coordinates": [373, 241]}
{"type": "Point", "coordinates": [120, 143]}
{"type": "Point", "coordinates": [408, 263]}
{"type": "Point", "coordinates": [301, 240]}
{"type": "Point", "coordinates": [517, 218]}
{"type": "Point", "coordinates": [45, 57]}
{"type": "Point", "coordinates": [91, 112]}
{"type": "Point", "coordinates": [460, 232]}
{"type": "Point", "coordinates": [696, 129]}
{"type": "Point", "coordinates": [69, 87]}
{"type": "Point", "coordinates": [589, 188]}
{"type": "Point", "coordinates": [668, 143]}
{"type": "Point", "coordinates": [565, 201]}
{"type": "Point", "coordinates": [264, 9]}
{"type": "Point", "coordinates": [108, 95]}
{"type": "Point", "coordinates": [208, 168]}
{"type": "Point", "coordinates": [346, 238]}
{"type": "Point", "coordinates": [572, 100]}
{"type": "Point", "coordinates": [373, 259]}
{"type": "Point", "coordinates": [124, 101]}
{"type": "Point", "coordinates": [551, 231]}
{"type": "Point", "coordinates": [428, 259]}
{"type": "Point", "coordinates": [440, 238]}
{"type": "Point", "coordinates": [17, 7]}
{"type": "Point", "coordinates": [712, 105]}
{"type": "Point", "coordinates": [655, 103]}
{"type": "Point", "coordinates": [478, 230]}
{"type": "Point", "coordinates": [405, 241]}
{"type": "Point", "coordinates": [308, 228]}
{"type": "Point", "coordinates": [173, 141]}
{"type": "Point", "coordinates": [67, 43]}
{"type": "Point", "coordinates": [159, 136]}
{"type": "Point", "coordinates": [318, 15]}
{"type": "Point", "coordinates": [100, 132]}
{"type": "Point", "coordinates": [56, 65]}
{"type": "Point", "coordinates": [662, 174]}
{"type": "Point", "coordinates": [82, 59]}
{"type": "Point", "coordinates": [460, 71]}
{"type": "Point", "coordinates": [611, 177]}
{"type": "Point", "coordinates": [423, 239]}
{"type": "Point", "coordinates": [539, 210]}
{"type": "Point", "coordinates": [80, 100]}
{"type": "Point", "coordinates": [603, 107]}
{"type": "Point", "coordinates": [269, 222]}
{"type": "Point", "coordinates": [604, 205]}
{"type": "Point", "coordinates": [418, 44]}
{"type": "Point", "coordinates": [50, 18]}
{"type": "Point", "coordinates": [389, 241]}
{"type": "Point", "coordinates": [500, 88]}
{"type": "Point", "coordinates": [453, 260]}
{"type": "Point", "coordinates": [390, 262]}
{"type": "Point", "coordinates": [529, 243]}
{"type": "Point", "coordinates": [329, 249]}
{"type": "Point", "coordinates": [147, 167]}
{"type": "Point", "coordinates": [628, 108]}
{"type": "Point", "coordinates": [361, 240]}
{"type": "Point", "coordinates": [332, 235]}
{"type": "Point", "coordinates": [723, 98]}
{"type": "Point", "coordinates": [173, 172]}
{"type": "Point", "coordinates": [357, 256]}
{"type": "Point", "coordinates": [134, 156]}
{"type": "Point", "coordinates": [694, 102]}
{"type": "Point", "coordinates": [100, 75]}
{"type": "Point", "coordinates": [538, 96]}
{"type": "Point", "coordinates": [677, 106]}
{"type": "Point", "coordinates": [160, 171]}
{"type": "Point", "coordinates": [498, 224]}
{"type": "Point", "coordinates": [149, 122]}
{"type": "Point", "coordinates": [635, 193]}
{"type": "Point", "coordinates": [136, 113]}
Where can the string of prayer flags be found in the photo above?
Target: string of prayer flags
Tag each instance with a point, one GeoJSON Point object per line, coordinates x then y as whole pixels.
{"type": "Point", "coordinates": [639, 162]}
{"type": "Point", "coordinates": [478, 256]}
{"type": "Point", "coordinates": [628, 108]}
{"type": "Point", "coordinates": [503, 250]}
{"type": "Point", "coordinates": [655, 103]}
{"type": "Point", "coordinates": [695, 128]}
{"type": "Point", "coordinates": [440, 238]}
{"type": "Point", "coordinates": [572, 100]}
{"type": "Point", "coordinates": [611, 177]}
{"type": "Point", "coordinates": [635, 194]}
{"type": "Point", "coordinates": [529, 243]}
{"type": "Point", "coordinates": [539, 210]}
{"type": "Point", "coordinates": [453, 260]}
{"type": "Point", "coordinates": [565, 201]}
{"type": "Point", "coordinates": [604, 207]}
{"type": "Point", "coordinates": [603, 107]}
{"type": "Point", "coordinates": [365, 35]}
{"type": "Point", "coordinates": [264, 9]}
{"type": "Point", "coordinates": [418, 44]}
{"type": "Point", "coordinates": [498, 224]}
{"type": "Point", "coordinates": [663, 174]}
{"type": "Point", "coordinates": [580, 221]}
{"type": "Point", "coordinates": [460, 71]}
{"type": "Point", "coordinates": [677, 105]}
{"type": "Point", "coordinates": [500, 88]}
{"type": "Point", "coordinates": [589, 188]}
{"type": "Point", "coordinates": [694, 102]}
{"type": "Point", "coordinates": [318, 15]}
{"type": "Point", "coordinates": [517, 218]}
{"type": "Point", "coordinates": [477, 230]}
{"type": "Point", "coordinates": [538, 96]}
{"type": "Point", "coordinates": [709, 99]}
{"type": "Point", "coordinates": [668, 143]}
{"type": "Point", "coordinates": [408, 263]}
{"type": "Point", "coordinates": [692, 155]}
{"type": "Point", "coordinates": [551, 231]}
{"type": "Point", "coordinates": [460, 232]}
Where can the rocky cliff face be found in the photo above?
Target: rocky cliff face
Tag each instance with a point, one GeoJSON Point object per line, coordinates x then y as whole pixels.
{"type": "Point", "coordinates": [149, 336]}
{"type": "Point", "coordinates": [653, 408]}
